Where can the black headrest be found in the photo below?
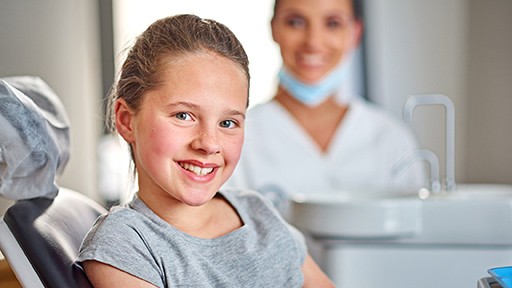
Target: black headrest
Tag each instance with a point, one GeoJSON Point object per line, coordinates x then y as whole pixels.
{"type": "Point", "coordinates": [50, 233]}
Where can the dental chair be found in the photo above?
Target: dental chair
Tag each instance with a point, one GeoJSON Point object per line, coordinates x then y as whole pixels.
{"type": "Point", "coordinates": [41, 233]}
{"type": "Point", "coordinates": [40, 238]}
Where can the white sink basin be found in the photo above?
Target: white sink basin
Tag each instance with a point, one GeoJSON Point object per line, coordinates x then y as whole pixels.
{"type": "Point", "coordinates": [473, 214]}
{"type": "Point", "coordinates": [477, 192]}
{"type": "Point", "coordinates": [352, 216]}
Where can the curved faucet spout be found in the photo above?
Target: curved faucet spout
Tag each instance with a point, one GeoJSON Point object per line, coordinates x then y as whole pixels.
{"type": "Point", "coordinates": [438, 99]}
{"type": "Point", "coordinates": [420, 154]}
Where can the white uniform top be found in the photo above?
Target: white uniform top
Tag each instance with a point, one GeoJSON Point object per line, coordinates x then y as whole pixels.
{"type": "Point", "coordinates": [279, 156]}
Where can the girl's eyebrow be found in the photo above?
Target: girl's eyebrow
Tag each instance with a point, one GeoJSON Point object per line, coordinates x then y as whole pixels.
{"type": "Point", "coordinates": [236, 113]}
{"type": "Point", "coordinates": [183, 103]}
{"type": "Point", "coordinates": [232, 112]}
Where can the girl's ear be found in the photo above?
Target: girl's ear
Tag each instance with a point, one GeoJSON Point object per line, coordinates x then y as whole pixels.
{"type": "Point", "coordinates": [124, 120]}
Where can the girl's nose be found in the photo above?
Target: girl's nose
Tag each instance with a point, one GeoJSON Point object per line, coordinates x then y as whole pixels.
{"type": "Point", "coordinates": [207, 141]}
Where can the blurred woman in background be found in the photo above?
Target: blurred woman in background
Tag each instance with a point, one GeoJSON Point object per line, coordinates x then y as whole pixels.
{"type": "Point", "coordinates": [313, 136]}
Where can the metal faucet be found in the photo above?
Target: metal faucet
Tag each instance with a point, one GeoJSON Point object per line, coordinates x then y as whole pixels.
{"type": "Point", "coordinates": [438, 99]}
{"type": "Point", "coordinates": [420, 154]}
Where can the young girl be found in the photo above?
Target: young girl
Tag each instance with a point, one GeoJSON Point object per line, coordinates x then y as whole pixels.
{"type": "Point", "coordinates": [180, 103]}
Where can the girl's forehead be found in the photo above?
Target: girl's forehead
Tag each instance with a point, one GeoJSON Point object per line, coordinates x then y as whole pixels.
{"type": "Point", "coordinates": [209, 75]}
{"type": "Point", "coordinates": [184, 59]}
{"type": "Point", "coordinates": [199, 65]}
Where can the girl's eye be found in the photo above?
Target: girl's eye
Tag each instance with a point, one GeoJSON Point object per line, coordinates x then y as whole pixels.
{"type": "Point", "coordinates": [227, 124]}
{"type": "Point", "coordinates": [183, 116]}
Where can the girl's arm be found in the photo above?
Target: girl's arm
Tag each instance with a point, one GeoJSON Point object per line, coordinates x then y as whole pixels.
{"type": "Point", "coordinates": [103, 275]}
{"type": "Point", "coordinates": [314, 276]}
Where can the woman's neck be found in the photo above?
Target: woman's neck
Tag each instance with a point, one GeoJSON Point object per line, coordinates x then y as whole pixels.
{"type": "Point", "coordinates": [319, 122]}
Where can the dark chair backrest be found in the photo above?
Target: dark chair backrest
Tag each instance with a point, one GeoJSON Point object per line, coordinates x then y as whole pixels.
{"type": "Point", "coordinates": [50, 233]}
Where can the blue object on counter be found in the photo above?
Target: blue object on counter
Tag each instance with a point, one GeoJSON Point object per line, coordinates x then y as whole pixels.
{"type": "Point", "coordinates": [503, 275]}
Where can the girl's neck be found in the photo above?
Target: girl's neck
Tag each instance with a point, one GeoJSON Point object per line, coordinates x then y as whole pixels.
{"type": "Point", "coordinates": [211, 220]}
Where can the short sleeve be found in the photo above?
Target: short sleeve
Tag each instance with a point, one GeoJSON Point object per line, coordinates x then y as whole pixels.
{"type": "Point", "coordinates": [300, 241]}
{"type": "Point", "coordinates": [117, 240]}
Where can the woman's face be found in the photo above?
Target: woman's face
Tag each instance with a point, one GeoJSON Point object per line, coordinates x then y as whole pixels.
{"type": "Point", "coordinates": [314, 35]}
{"type": "Point", "coordinates": [188, 133]}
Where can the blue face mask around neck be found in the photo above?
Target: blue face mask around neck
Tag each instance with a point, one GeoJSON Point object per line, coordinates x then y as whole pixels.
{"type": "Point", "coordinates": [312, 94]}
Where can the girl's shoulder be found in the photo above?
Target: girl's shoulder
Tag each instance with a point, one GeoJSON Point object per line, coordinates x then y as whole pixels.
{"type": "Point", "coordinates": [251, 204]}
{"type": "Point", "coordinates": [243, 196]}
{"type": "Point", "coordinates": [122, 218]}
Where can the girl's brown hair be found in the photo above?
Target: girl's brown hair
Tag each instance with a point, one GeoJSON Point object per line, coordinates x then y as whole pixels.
{"type": "Point", "coordinates": [170, 37]}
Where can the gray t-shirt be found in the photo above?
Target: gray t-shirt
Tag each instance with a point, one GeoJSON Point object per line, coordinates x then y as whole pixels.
{"type": "Point", "coordinates": [264, 252]}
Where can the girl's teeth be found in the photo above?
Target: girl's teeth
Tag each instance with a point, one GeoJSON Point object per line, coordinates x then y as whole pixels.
{"type": "Point", "coordinates": [196, 169]}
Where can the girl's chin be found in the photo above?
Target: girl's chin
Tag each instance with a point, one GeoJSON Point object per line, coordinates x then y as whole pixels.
{"type": "Point", "coordinates": [195, 203]}
{"type": "Point", "coordinates": [198, 200]}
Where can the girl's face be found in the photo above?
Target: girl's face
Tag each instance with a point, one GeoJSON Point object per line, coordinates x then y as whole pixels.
{"type": "Point", "coordinates": [314, 35]}
{"type": "Point", "coordinates": [188, 134]}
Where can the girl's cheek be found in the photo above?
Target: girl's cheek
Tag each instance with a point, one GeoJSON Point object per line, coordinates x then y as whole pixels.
{"type": "Point", "coordinates": [161, 140]}
{"type": "Point", "coordinates": [236, 148]}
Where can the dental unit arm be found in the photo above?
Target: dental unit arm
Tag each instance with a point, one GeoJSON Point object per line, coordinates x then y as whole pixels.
{"type": "Point", "coordinates": [437, 99]}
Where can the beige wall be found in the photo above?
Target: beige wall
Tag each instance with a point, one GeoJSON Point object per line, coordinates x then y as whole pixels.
{"type": "Point", "coordinates": [459, 48]}
{"type": "Point", "coordinates": [58, 40]}
{"type": "Point", "coordinates": [489, 109]}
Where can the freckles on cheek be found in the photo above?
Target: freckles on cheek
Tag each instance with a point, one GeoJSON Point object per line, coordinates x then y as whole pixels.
{"type": "Point", "coordinates": [236, 149]}
{"type": "Point", "coordinates": [160, 142]}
